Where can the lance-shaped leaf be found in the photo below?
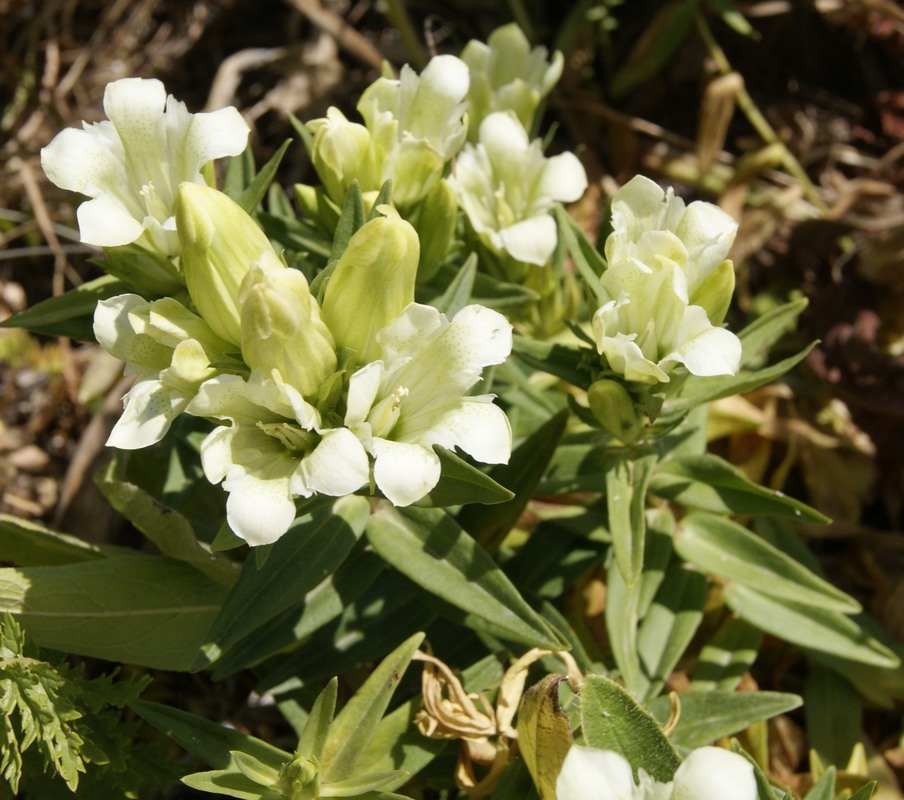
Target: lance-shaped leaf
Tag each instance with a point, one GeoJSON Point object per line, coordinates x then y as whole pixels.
{"type": "Point", "coordinates": [544, 736]}
{"type": "Point", "coordinates": [27, 544]}
{"type": "Point", "coordinates": [626, 494]}
{"type": "Point", "coordinates": [355, 725]}
{"type": "Point", "coordinates": [708, 716]}
{"type": "Point", "coordinates": [311, 550]}
{"type": "Point", "coordinates": [613, 720]}
{"type": "Point", "coordinates": [144, 610]}
{"type": "Point", "coordinates": [727, 656]}
{"type": "Point", "coordinates": [724, 548]}
{"type": "Point", "coordinates": [767, 329]}
{"type": "Point", "coordinates": [807, 626]}
{"type": "Point", "coordinates": [709, 483]}
{"type": "Point", "coordinates": [430, 548]}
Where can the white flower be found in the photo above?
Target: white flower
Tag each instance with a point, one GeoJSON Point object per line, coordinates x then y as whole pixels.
{"type": "Point", "coordinates": [708, 773]}
{"type": "Point", "coordinates": [647, 220]}
{"type": "Point", "coordinates": [647, 327]}
{"type": "Point", "coordinates": [132, 164]}
{"type": "Point", "coordinates": [274, 450]}
{"type": "Point", "coordinates": [169, 350]}
{"type": "Point", "coordinates": [414, 397]}
{"type": "Point", "coordinates": [507, 75]}
{"type": "Point", "coordinates": [506, 187]}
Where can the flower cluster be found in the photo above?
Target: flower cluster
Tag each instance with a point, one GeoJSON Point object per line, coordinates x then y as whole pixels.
{"type": "Point", "coordinates": [666, 288]}
{"type": "Point", "coordinates": [708, 773]}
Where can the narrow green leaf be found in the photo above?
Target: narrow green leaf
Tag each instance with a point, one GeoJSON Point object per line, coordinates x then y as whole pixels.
{"type": "Point", "coordinates": [316, 730]}
{"type": "Point", "coordinates": [383, 198]}
{"type": "Point", "coordinates": [806, 626]}
{"type": "Point", "coordinates": [759, 336]}
{"type": "Point", "coordinates": [612, 720]}
{"type": "Point", "coordinates": [696, 390]}
{"type": "Point", "coordinates": [528, 462]}
{"type": "Point", "coordinates": [350, 220]}
{"type": "Point", "coordinates": [865, 793]}
{"type": "Point", "coordinates": [151, 274]}
{"type": "Point", "coordinates": [834, 714]}
{"type": "Point", "coordinates": [712, 484]}
{"type": "Point", "coordinates": [430, 548]}
{"type": "Point", "coordinates": [311, 549]}
{"type": "Point", "coordinates": [27, 544]}
{"type": "Point", "coordinates": [626, 495]}
{"type": "Point", "coordinates": [727, 656]}
{"type": "Point", "coordinates": [146, 610]}
{"type": "Point", "coordinates": [670, 624]}
{"type": "Point", "coordinates": [589, 263]}
{"type": "Point", "coordinates": [708, 716]}
{"type": "Point", "coordinates": [206, 740]}
{"type": "Point", "coordinates": [254, 191]}
{"type": "Point", "coordinates": [229, 782]}
{"type": "Point", "coordinates": [70, 314]}
{"type": "Point", "coordinates": [824, 788]}
{"type": "Point", "coordinates": [239, 173]}
{"type": "Point", "coordinates": [458, 292]}
{"type": "Point", "coordinates": [355, 725]}
{"type": "Point", "coordinates": [572, 364]}
{"type": "Point", "coordinates": [398, 745]}
{"type": "Point", "coordinates": [515, 783]}
{"type": "Point", "coordinates": [721, 547]}
{"type": "Point", "coordinates": [167, 529]}
{"type": "Point", "coordinates": [622, 619]}
{"type": "Point", "coordinates": [461, 483]}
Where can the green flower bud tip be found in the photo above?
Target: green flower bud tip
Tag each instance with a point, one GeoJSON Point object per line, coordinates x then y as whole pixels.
{"type": "Point", "coordinates": [614, 409]}
{"type": "Point", "coordinates": [220, 242]}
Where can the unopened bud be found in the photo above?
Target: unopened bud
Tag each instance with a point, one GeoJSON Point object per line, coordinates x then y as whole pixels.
{"type": "Point", "coordinates": [614, 409]}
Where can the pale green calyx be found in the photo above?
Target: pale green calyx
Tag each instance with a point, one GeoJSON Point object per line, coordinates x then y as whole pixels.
{"type": "Point", "coordinates": [132, 164]}
{"type": "Point", "coordinates": [372, 283]}
{"type": "Point", "coordinates": [170, 351]}
{"type": "Point", "coordinates": [508, 75]}
{"type": "Point", "coordinates": [220, 242]}
{"type": "Point", "coordinates": [282, 328]}
{"type": "Point", "coordinates": [506, 187]}
{"type": "Point", "coordinates": [414, 397]}
{"type": "Point", "coordinates": [708, 773]}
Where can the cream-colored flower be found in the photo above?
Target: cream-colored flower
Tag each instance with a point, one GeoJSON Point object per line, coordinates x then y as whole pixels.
{"type": "Point", "coordinates": [132, 164]}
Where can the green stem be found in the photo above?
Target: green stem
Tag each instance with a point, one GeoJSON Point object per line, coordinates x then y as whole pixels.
{"type": "Point", "coordinates": [398, 16]}
{"type": "Point", "coordinates": [754, 115]}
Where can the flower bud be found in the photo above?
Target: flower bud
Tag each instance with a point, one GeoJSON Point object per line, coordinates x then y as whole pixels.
{"type": "Point", "coordinates": [220, 242]}
{"type": "Point", "coordinates": [614, 409]}
{"type": "Point", "coordinates": [282, 328]}
{"type": "Point", "coordinates": [372, 284]}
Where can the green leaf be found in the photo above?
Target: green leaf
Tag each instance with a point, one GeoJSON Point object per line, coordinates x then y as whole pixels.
{"type": "Point", "coordinates": [152, 275]}
{"type": "Point", "coordinates": [544, 735]}
{"type": "Point", "coordinates": [569, 363]}
{"type": "Point", "coordinates": [612, 720]}
{"type": "Point", "coordinates": [806, 626]}
{"type": "Point", "coordinates": [626, 496]}
{"type": "Point", "coordinates": [824, 788]}
{"type": "Point", "coordinates": [324, 603]}
{"type": "Point", "coordinates": [834, 714]}
{"type": "Point", "coordinates": [461, 482]}
{"type": "Point", "coordinates": [167, 529]}
{"type": "Point", "coordinates": [430, 548]}
{"type": "Point", "coordinates": [865, 793]}
{"type": "Point", "coordinates": [622, 618]}
{"type": "Point", "coordinates": [696, 390]}
{"type": "Point", "coordinates": [515, 783]}
{"type": "Point", "coordinates": [208, 741]}
{"type": "Point", "coordinates": [28, 544]}
{"type": "Point", "coordinates": [709, 483]}
{"type": "Point", "coordinates": [310, 551]}
{"type": "Point", "coordinates": [727, 656]}
{"type": "Point", "coordinates": [669, 626]}
{"type": "Point", "coordinates": [589, 263]}
{"type": "Point", "coordinates": [721, 547]}
{"type": "Point", "coordinates": [355, 725]}
{"type": "Point", "coordinates": [528, 462]}
{"type": "Point", "coordinates": [759, 336]}
{"type": "Point", "coordinates": [146, 610]}
{"type": "Point", "coordinates": [239, 173]}
{"type": "Point", "coordinates": [316, 730]}
{"type": "Point", "coordinates": [458, 292]}
{"type": "Point", "coordinates": [708, 716]}
{"type": "Point", "coordinates": [350, 220]}
{"type": "Point", "coordinates": [70, 314]}
{"type": "Point", "coordinates": [732, 17]}
{"type": "Point", "coordinates": [255, 190]}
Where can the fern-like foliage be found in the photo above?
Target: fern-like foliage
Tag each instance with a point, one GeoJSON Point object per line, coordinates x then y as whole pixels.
{"type": "Point", "coordinates": [55, 719]}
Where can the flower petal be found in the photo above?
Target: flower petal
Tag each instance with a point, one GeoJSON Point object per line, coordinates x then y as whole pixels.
{"type": "Point", "coordinates": [589, 774]}
{"type": "Point", "coordinates": [106, 222]}
{"type": "Point", "coordinates": [83, 160]}
{"type": "Point", "coordinates": [260, 509]}
{"type": "Point", "coordinates": [704, 349]}
{"type": "Point", "coordinates": [404, 472]}
{"type": "Point", "coordinates": [564, 178]}
{"type": "Point", "coordinates": [338, 466]}
{"type": "Point", "coordinates": [711, 773]}
{"type": "Point", "coordinates": [478, 427]}
{"type": "Point", "coordinates": [135, 106]}
{"type": "Point", "coordinates": [150, 408]}
{"type": "Point", "coordinates": [213, 135]}
{"type": "Point", "coordinates": [531, 240]}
